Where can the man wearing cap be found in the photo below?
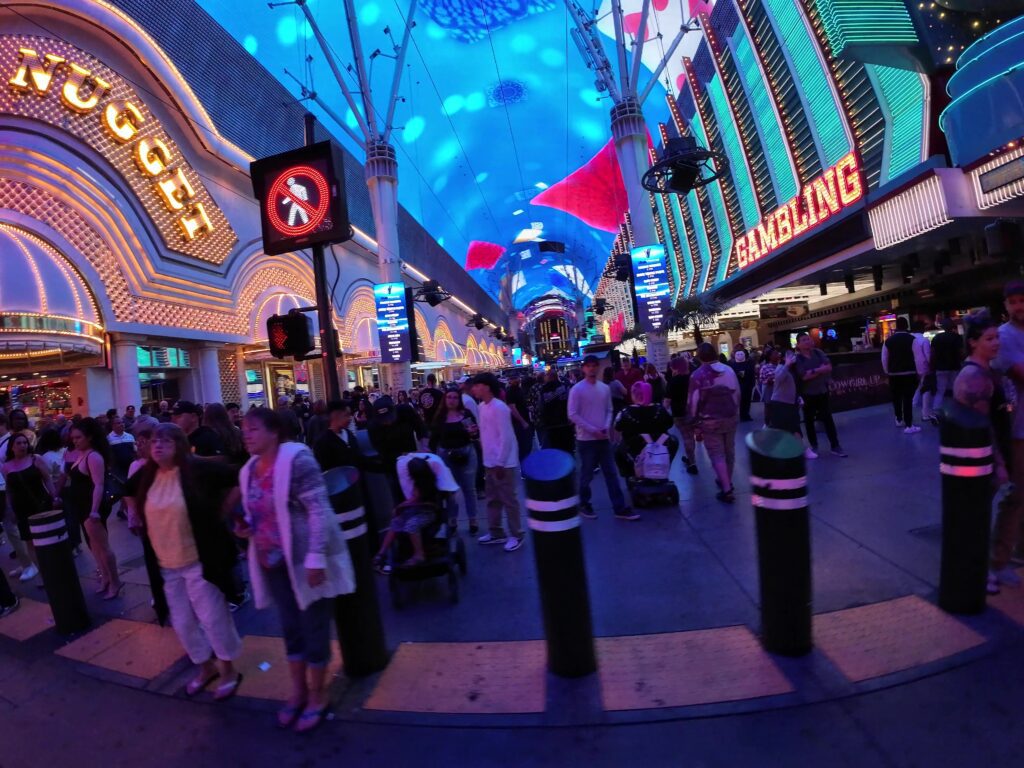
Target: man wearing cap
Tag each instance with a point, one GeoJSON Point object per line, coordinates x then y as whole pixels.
{"type": "Point", "coordinates": [206, 443]}
{"type": "Point", "coordinates": [394, 430]}
{"type": "Point", "coordinates": [501, 464]}
{"type": "Point", "coordinates": [590, 409]}
{"type": "Point", "coordinates": [1010, 362]}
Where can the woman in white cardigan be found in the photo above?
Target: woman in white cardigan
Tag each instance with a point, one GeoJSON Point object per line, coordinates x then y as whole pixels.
{"type": "Point", "coordinates": [297, 557]}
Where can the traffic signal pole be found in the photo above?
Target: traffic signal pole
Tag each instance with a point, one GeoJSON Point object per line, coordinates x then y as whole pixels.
{"type": "Point", "coordinates": [328, 347]}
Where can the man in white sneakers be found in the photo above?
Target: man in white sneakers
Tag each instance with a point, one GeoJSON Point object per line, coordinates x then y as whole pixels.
{"type": "Point", "coordinates": [501, 464]}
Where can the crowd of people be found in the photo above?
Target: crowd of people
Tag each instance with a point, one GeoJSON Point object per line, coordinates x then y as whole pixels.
{"type": "Point", "coordinates": [230, 502]}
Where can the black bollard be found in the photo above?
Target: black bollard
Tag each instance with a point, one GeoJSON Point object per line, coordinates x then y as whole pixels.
{"type": "Point", "coordinates": [967, 490]}
{"type": "Point", "coordinates": [778, 481]}
{"type": "Point", "coordinates": [357, 615]}
{"type": "Point", "coordinates": [49, 531]}
{"type": "Point", "coordinates": [552, 505]}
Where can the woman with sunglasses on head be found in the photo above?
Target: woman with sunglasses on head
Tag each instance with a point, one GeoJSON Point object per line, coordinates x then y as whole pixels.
{"type": "Point", "coordinates": [29, 491]}
{"type": "Point", "coordinates": [85, 495]}
{"type": "Point", "coordinates": [179, 503]}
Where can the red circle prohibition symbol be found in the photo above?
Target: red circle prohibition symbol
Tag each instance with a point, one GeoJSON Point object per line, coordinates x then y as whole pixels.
{"type": "Point", "coordinates": [304, 195]}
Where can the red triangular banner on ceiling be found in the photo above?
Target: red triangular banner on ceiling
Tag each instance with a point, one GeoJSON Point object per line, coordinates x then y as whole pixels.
{"type": "Point", "coordinates": [483, 255]}
{"type": "Point", "coordinates": [594, 194]}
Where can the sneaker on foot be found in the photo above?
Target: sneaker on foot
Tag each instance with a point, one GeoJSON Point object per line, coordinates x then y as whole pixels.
{"type": "Point", "coordinates": [474, 529]}
{"type": "Point", "coordinates": [840, 453]}
{"type": "Point", "coordinates": [489, 538]}
{"type": "Point", "coordinates": [726, 497]}
{"type": "Point", "coordinates": [9, 609]}
{"type": "Point", "coordinates": [588, 512]}
{"type": "Point", "coordinates": [900, 424]}
{"type": "Point", "coordinates": [628, 513]}
{"type": "Point", "coordinates": [31, 572]}
{"type": "Point", "coordinates": [911, 430]}
{"type": "Point", "coordinates": [691, 469]}
{"type": "Point", "coordinates": [513, 543]}
{"type": "Point", "coordinates": [15, 572]}
{"type": "Point", "coordinates": [810, 454]}
{"type": "Point", "coordinates": [1008, 577]}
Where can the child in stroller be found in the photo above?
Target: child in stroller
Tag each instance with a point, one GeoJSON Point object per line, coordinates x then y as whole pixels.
{"type": "Point", "coordinates": [416, 518]}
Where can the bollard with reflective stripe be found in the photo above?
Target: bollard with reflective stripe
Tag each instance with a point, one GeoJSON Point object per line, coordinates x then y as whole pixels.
{"type": "Point", "coordinates": [552, 514]}
{"type": "Point", "coordinates": [966, 467]}
{"type": "Point", "coordinates": [357, 615]}
{"type": "Point", "coordinates": [49, 532]}
{"type": "Point", "coordinates": [779, 494]}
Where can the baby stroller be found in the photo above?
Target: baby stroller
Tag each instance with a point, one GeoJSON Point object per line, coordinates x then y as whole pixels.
{"type": "Point", "coordinates": [445, 552]}
{"type": "Point", "coordinates": [645, 463]}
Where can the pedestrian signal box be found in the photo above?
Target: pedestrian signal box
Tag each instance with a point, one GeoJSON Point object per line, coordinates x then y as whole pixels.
{"type": "Point", "coordinates": [302, 198]}
{"type": "Point", "coordinates": [290, 334]}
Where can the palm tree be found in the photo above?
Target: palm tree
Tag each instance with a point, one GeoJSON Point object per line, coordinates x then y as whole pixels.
{"type": "Point", "coordinates": [689, 313]}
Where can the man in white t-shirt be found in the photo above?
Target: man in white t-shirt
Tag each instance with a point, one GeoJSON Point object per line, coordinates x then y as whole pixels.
{"type": "Point", "coordinates": [501, 464]}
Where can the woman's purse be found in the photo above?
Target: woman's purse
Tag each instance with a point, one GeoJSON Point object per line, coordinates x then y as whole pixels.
{"type": "Point", "coordinates": [456, 457]}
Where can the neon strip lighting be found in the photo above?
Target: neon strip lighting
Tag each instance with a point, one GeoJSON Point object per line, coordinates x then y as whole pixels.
{"type": "Point", "coordinates": [768, 127]}
{"type": "Point", "coordinates": [865, 22]}
{"type": "Point", "coordinates": [677, 213]}
{"type": "Point", "coordinates": [702, 239]}
{"type": "Point", "coordinates": [904, 95]}
{"type": "Point", "coordinates": [670, 248]}
{"type": "Point", "coordinates": [734, 151]}
{"type": "Point", "coordinates": [721, 219]}
{"type": "Point", "coordinates": [912, 212]}
{"type": "Point", "coordinates": [802, 49]}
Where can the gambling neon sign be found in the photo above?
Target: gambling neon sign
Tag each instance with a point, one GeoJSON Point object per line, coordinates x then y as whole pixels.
{"type": "Point", "coordinates": [835, 190]}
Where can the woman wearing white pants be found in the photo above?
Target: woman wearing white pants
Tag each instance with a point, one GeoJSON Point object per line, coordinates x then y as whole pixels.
{"type": "Point", "coordinates": [179, 499]}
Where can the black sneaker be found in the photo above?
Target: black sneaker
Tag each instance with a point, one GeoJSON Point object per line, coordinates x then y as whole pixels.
{"type": "Point", "coordinates": [840, 453]}
{"type": "Point", "coordinates": [9, 609]}
{"type": "Point", "coordinates": [691, 469]}
{"type": "Point", "coordinates": [627, 514]}
{"type": "Point", "coordinates": [588, 512]}
{"type": "Point", "coordinates": [474, 529]}
{"type": "Point", "coordinates": [726, 497]}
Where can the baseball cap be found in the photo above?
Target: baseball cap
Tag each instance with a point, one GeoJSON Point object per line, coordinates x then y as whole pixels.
{"type": "Point", "coordinates": [591, 359]}
{"type": "Point", "coordinates": [384, 406]}
{"type": "Point", "coordinates": [185, 406]}
{"type": "Point", "coordinates": [1013, 288]}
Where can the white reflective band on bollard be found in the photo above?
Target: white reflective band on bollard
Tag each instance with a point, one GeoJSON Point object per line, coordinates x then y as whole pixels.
{"type": "Point", "coordinates": [553, 526]}
{"type": "Point", "coordinates": [966, 453]}
{"type": "Point", "coordinates": [768, 503]}
{"type": "Point", "coordinates": [352, 533]}
{"type": "Point", "coordinates": [790, 484]}
{"type": "Point", "coordinates": [48, 527]}
{"type": "Point", "coordinates": [50, 540]}
{"type": "Point", "coordinates": [552, 506]}
{"type": "Point", "coordinates": [961, 471]}
{"type": "Point", "coordinates": [348, 517]}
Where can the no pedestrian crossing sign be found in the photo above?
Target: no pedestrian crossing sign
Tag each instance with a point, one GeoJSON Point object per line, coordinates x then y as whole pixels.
{"type": "Point", "coordinates": [302, 198]}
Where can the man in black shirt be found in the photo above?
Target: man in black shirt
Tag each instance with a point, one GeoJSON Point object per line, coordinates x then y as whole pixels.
{"type": "Point", "coordinates": [394, 430]}
{"type": "Point", "coordinates": [205, 442]}
{"type": "Point", "coordinates": [557, 431]}
{"type": "Point", "coordinates": [947, 355]}
{"type": "Point", "coordinates": [677, 392]}
{"type": "Point", "coordinates": [338, 446]}
{"type": "Point", "coordinates": [430, 399]}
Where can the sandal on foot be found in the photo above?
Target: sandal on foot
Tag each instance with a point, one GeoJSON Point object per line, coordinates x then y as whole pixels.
{"type": "Point", "coordinates": [310, 719]}
{"type": "Point", "coordinates": [228, 689]}
{"type": "Point", "coordinates": [288, 714]}
{"type": "Point", "coordinates": [199, 684]}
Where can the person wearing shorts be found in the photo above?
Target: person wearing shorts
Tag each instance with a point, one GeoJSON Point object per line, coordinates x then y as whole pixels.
{"type": "Point", "coordinates": [714, 406]}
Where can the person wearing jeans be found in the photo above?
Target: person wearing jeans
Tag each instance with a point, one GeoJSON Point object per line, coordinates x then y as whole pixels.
{"type": "Point", "coordinates": [904, 360]}
{"type": "Point", "coordinates": [814, 371]}
{"type": "Point", "coordinates": [590, 409]}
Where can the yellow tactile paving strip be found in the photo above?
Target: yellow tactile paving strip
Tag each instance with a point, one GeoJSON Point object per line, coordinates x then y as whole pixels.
{"type": "Point", "coordinates": [679, 669]}
{"type": "Point", "coordinates": [31, 618]}
{"type": "Point", "coordinates": [464, 678]}
{"type": "Point", "coordinates": [879, 639]}
{"type": "Point", "coordinates": [128, 647]}
{"type": "Point", "coordinates": [265, 668]}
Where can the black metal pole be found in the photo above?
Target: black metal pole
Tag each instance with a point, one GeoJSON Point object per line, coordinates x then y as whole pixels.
{"type": "Point", "coordinates": [357, 615]}
{"type": "Point", "coordinates": [328, 348]}
{"type": "Point", "coordinates": [966, 467]}
{"type": "Point", "coordinates": [552, 505]}
{"type": "Point", "coordinates": [49, 532]}
{"type": "Point", "coordinates": [778, 481]}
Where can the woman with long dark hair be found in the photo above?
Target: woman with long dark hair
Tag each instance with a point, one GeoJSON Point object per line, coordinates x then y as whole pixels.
{"type": "Point", "coordinates": [29, 491]}
{"type": "Point", "coordinates": [184, 534]}
{"type": "Point", "coordinates": [85, 495]}
{"type": "Point", "coordinates": [298, 558]}
{"type": "Point", "coordinates": [216, 418]}
{"type": "Point", "coordinates": [452, 438]}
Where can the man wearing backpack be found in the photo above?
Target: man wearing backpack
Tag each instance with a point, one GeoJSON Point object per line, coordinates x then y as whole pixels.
{"type": "Point", "coordinates": [715, 409]}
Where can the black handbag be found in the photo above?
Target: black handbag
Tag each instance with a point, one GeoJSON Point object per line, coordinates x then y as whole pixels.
{"type": "Point", "coordinates": [456, 457]}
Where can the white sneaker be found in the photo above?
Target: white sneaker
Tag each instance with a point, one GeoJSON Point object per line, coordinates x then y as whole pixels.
{"type": "Point", "coordinates": [911, 430]}
{"type": "Point", "coordinates": [900, 424]}
{"type": "Point", "coordinates": [489, 539]}
{"type": "Point", "coordinates": [1008, 577]}
{"type": "Point", "coordinates": [31, 572]}
{"type": "Point", "coordinates": [513, 543]}
{"type": "Point", "coordinates": [810, 454]}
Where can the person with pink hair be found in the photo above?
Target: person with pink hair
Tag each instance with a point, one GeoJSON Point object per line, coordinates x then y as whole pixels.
{"type": "Point", "coordinates": [641, 418]}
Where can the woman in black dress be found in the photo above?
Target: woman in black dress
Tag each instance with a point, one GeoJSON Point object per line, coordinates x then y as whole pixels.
{"type": "Point", "coordinates": [29, 490]}
{"type": "Point", "coordinates": [85, 495]}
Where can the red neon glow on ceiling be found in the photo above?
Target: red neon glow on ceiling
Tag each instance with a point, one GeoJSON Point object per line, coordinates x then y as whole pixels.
{"type": "Point", "coordinates": [483, 255]}
{"type": "Point", "coordinates": [594, 193]}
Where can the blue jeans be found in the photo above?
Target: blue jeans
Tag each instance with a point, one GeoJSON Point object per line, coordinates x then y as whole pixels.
{"type": "Point", "coordinates": [465, 476]}
{"type": "Point", "coordinates": [598, 453]}
{"type": "Point", "coordinates": [307, 633]}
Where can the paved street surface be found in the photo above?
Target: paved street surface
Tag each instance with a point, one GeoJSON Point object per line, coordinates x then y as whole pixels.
{"type": "Point", "coordinates": [892, 681]}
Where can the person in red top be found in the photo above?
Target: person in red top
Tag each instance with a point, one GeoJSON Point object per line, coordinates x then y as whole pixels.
{"type": "Point", "coordinates": [629, 375]}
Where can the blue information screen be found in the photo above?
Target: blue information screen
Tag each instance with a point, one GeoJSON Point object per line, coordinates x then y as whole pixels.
{"type": "Point", "coordinates": [650, 280]}
{"type": "Point", "coordinates": [392, 322]}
